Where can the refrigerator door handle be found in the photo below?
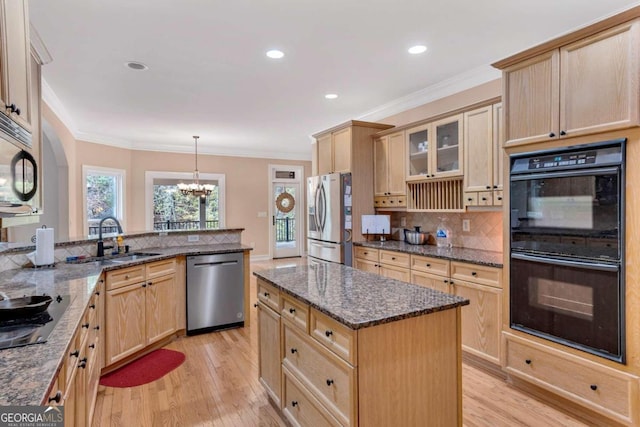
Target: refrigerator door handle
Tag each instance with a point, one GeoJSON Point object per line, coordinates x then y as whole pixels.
{"type": "Point", "coordinates": [323, 208]}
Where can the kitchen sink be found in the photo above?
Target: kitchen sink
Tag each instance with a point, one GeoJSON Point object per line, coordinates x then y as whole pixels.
{"type": "Point", "coordinates": [136, 256]}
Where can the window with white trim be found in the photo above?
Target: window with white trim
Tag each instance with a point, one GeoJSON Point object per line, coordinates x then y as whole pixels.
{"type": "Point", "coordinates": [103, 196]}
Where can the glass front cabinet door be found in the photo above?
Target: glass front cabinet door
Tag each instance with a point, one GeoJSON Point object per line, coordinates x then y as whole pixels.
{"type": "Point", "coordinates": [435, 149]}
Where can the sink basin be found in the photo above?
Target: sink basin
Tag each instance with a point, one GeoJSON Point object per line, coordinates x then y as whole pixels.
{"type": "Point", "coordinates": [136, 256]}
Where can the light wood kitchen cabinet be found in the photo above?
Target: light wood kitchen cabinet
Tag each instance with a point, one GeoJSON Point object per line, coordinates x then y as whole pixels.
{"type": "Point", "coordinates": [607, 391]}
{"type": "Point", "coordinates": [391, 264]}
{"type": "Point", "coordinates": [347, 148]}
{"type": "Point", "coordinates": [482, 318]}
{"type": "Point", "coordinates": [269, 344]}
{"type": "Point", "coordinates": [140, 308]}
{"type": "Point", "coordinates": [430, 272]}
{"type": "Point", "coordinates": [498, 154]}
{"type": "Point", "coordinates": [588, 85]}
{"type": "Point", "coordinates": [389, 171]}
{"type": "Point", "coordinates": [483, 161]}
{"type": "Point", "coordinates": [15, 66]}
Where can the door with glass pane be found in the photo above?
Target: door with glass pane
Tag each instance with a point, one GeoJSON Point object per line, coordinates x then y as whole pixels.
{"type": "Point", "coordinates": [285, 221]}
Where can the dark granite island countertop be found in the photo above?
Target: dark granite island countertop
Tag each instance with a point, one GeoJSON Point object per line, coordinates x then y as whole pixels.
{"type": "Point", "coordinates": [356, 298]}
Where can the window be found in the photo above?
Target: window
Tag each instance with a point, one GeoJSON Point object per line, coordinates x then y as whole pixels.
{"type": "Point", "coordinates": [103, 196]}
{"type": "Point", "coordinates": [168, 209]}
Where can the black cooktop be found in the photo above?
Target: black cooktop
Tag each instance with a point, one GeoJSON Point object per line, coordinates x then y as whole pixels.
{"type": "Point", "coordinates": [35, 329]}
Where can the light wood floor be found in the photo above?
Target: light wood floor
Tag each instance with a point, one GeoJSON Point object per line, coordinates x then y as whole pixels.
{"type": "Point", "coordinates": [218, 386]}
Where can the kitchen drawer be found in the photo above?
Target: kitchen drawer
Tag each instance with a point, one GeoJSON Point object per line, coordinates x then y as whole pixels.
{"type": "Point", "coordinates": [269, 295]}
{"type": "Point", "coordinates": [430, 265]}
{"type": "Point", "coordinates": [393, 272]}
{"type": "Point", "coordinates": [328, 377]}
{"type": "Point", "coordinates": [160, 268]}
{"type": "Point", "coordinates": [471, 198]}
{"type": "Point", "coordinates": [481, 274]}
{"type": "Point", "coordinates": [334, 336]}
{"type": "Point", "coordinates": [605, 390]}
{"type": "Point", "coordinates": [432, 281]}
{"type": "Point", "coordinates": [125, 276]}
{"type": "Point", "coordinates": [72, 357]}
{"type": "Point", "coordinates": [301, 408]}
{"type": "Point", "coordinates": [390, 201]}
{"type": "Point", "coordinates": [397, 259]}
{"type": "Point", "coordinates": [497, 198]}
{"type": "Point", "coordinates": [485, 198]}
{"type": "Point", "coordinates": [296, 312]}
{"type": "Point", "coordinates": [366, 253]}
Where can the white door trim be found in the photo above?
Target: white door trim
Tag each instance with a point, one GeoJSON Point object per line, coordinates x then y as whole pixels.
{"type": "Point", "coordinates": [300, 206]}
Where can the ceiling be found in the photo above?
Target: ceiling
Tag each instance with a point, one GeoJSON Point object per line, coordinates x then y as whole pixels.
{"type": "Point", "coordinates": [209, 76]}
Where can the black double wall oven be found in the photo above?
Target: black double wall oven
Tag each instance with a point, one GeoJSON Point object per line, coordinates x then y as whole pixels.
{"type": "Point", "coordinates": [567, 246]}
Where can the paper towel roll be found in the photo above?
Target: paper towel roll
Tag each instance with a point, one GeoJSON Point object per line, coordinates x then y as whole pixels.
{"type": "Point", "coordinates": [44, 247]}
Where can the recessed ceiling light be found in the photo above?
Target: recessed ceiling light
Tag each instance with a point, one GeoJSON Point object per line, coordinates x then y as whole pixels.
{"type": "Point", "coordinates": [134, 65]}
{"type": "Point", "coordinates": [331, 96]}
{"type": "Point", "coordinates": [414, 50]}
{"type": "Point", "coordinates": [275, 54]}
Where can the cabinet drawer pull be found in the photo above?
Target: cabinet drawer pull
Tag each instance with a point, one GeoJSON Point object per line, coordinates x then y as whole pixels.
{"type": "Point", "coordinates": [446, 281]}
{"type": "Point", "coordinates": [593, 387]}
{"type": "Point", "coordinates": [328, 332]}
{"type": "Point", "coordinates": [499, 198]}
{"type": "Point", "coordinates": [92, 306]}
{"type": "Point", "coordinates": [97, 327]}
{"type": "Point", "coordinates": [366, 253]}
{"type": "Point", "coordinates": [551, 134]}
{"type": "Point", "coordinates": [294, 403]}
{"type": "Point", "coordinates": [144, 285]}
{"type": "Point", "coordinates": [57, 398]}
{"type": "Point", "coordinates": [294, 350]}
{"type": "Point", "coordinates": [92, 346]}
{"type": "Point", "coordinates": [428, 265]}
{"type": "Point", "coordinates": [75, 353]}
{"type": "Point", "coordinates": [85, 326]}
{"type": "Point", "coordinates": [563, 133]}
{"type": "Point", "coordinates": [473, 273]}
{"type": "Point", "coordinates": [98, 292]}
{"type": "Point", "coordinates": [330, 383]}
{"type": "Point", "coordinates": [83, 363]}
{"type": "Point", "coordinates": [488, 187]}
{"type": "Point", "coordinates": [393, 258]}
{"type": "Point", "coordinates": [292, 310]}
{"type": "Point", "coordinates": [255, 305]}
{"type": "Point", "coordinates": [528, 361]}
{"type": "Point", "coordinates": [266, 294]}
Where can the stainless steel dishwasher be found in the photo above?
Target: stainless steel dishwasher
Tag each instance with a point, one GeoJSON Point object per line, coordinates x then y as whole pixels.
{"type": "Point", "coordinates": [215, 292]}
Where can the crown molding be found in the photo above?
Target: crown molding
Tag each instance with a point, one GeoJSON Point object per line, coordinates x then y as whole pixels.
{"type": "Point", "coordinates": [458, 83]}
{"type": "Point", "coordinates": [38, 46]}
{"type": "Point", "coordinates": [56, 106]}
{"type": "Point", "coordinates": [221, 151]}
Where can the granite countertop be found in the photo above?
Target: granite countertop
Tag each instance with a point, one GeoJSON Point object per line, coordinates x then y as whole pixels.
{"type": "Point", "coordinates": [26, 373]}
{"type": "Point", "coordinates": [356, 298]}
{"type": "Point", "coordinates": [475, 256]}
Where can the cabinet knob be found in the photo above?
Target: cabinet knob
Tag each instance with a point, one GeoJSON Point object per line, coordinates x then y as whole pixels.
{"type": "Point", "coordinates": [366, 253]}
{"type": "Point", "coordinates": [330, 382]}
{"type": "Point", "coordinates": [126, 276]}
{"type": "Point", "coordinates": [294, 350]}
{"type": "Point", "coordinates": [328, 332]}
{"type": "Point", "coordinates": [97, 327]}
{"type": "Point", "coordinates": [528, 361]}
{"type": "Point", "coordinates": [92, 346]}
{"type": "Point", "coordinates": [484, 198]}
{"type": "Point", "coordinates": [393, 258]}
{"type": "Point", "coordinates": [593, 387]}
{"type": "Point", "coordinates": [473, 273]}
{"type": "Point", "coordinates": [499, 198]}
{"type": "Point", "coordinates": [551, 134]}
{"type": "Point", "coordinates": [446, 281]}
{"type": "Point", "coordinates": [428, 265]}
{"type": "Point", "coordinates": [294, 403]}
{"type": "Point", "coordinates": [144, 285]}
{"type": "Point", "coordinates": [92, 306]}
{"type": "Point", "coordinates": [85, 326]}
{"type": "Point", "coordinates": [469, 199]}
{"type": "Point", "coordinates": [98, 292]}
{"type": "Point", "coordinates": [292, 310]}
{"type": "Point", "coordinates": [488, 187]}
{"type": "Point", "coordinates": [75, 353]}
{"type": "Point", "coordinates": [255, 305]}
{"type": "Point", "coordinates": [56, 398]}
{"type": "Point", "coordinates": [13, 108]}
{"type": "Point", "coordinates": [266, 294]}
{"type": "Point", "coordinates": [563, 133]}
{"type": "Point", "coordinates": [83, 363]}
{"type": "Point", "coordinates": [495, 186]}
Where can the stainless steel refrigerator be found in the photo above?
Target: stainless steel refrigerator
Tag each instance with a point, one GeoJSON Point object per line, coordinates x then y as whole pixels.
{"type": "Point", "coordinates": [329, 218]}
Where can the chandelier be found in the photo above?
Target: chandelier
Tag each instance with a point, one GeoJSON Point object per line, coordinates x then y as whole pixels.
{"type": "Point", "coordinates": [195, 188]}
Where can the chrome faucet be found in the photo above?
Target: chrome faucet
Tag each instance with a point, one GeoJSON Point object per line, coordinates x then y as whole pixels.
{"type": "Point", "coordinates": [100, 251]}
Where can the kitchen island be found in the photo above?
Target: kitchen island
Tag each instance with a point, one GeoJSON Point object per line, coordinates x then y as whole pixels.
{"type": "Point", "coordinates": [339, 346]}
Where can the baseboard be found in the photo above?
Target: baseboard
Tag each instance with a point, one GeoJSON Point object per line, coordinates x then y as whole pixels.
{"type": "Point", "coordinates": [484, 365]}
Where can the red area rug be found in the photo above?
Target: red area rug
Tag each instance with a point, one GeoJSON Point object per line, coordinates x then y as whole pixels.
{"type": "Point", "coordinates": [148, 368]}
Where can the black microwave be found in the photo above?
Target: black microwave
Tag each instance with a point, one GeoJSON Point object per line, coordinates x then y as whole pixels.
{"type": "Point", "coordinates": [18, 180]}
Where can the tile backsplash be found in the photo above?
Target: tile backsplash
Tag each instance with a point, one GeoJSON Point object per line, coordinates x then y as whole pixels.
{"type": "Point", "coordinates": [485, 227]}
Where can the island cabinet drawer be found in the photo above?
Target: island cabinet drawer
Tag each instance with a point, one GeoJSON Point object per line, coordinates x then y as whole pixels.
{"type": "Point", "coordinates": [333, 335]}
{"type": "Point", "coordinates": [301, 408]}
{"type": "Point", "coordinates": [398, 259]}
{"type": "Point", "coordinates": [328, 377]}
{"type": "Point", "coordinates": [366, 253]}
{"type": "Point", "coordinates": [430, 265]}
{"type": "Point", "coordinates": [125, 276]}
{"type": "Point", "coordinates": [481, 274]}
{"type": "Point", "coordinates": [161, 268]}
{"type": "Point", "coordinates": [269, 295]}
{"type": "Point", "coordinates": [296, 312]}
{"type": "Point", "coordinates": [604, 390]}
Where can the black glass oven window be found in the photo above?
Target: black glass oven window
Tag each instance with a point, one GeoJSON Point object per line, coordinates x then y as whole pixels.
{"type": "Point", "coordinates": [571, 215]}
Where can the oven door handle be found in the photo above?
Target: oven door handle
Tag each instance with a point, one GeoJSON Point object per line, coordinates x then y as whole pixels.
{"type": "Point", "coordinates": [565, 174]}
{"type": "Point", "coordinates": [566, 262]}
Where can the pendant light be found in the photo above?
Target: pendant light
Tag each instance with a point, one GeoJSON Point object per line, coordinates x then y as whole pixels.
{"type": "Point", "coordinates": [195, 188]}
